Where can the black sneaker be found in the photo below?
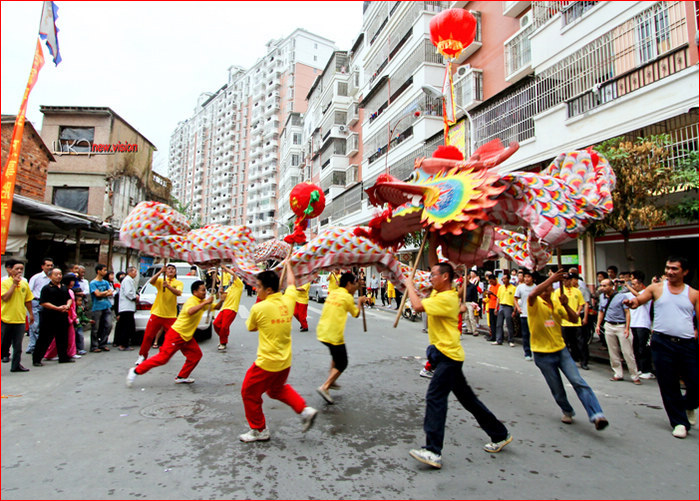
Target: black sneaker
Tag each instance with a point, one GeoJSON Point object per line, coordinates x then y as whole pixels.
{"type": "Point", "coordinates": [5, 360]}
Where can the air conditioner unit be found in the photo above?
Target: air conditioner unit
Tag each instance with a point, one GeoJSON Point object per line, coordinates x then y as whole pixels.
{"type": "Point", "coordinates": [342, 128]}
{"type": "Point", "coordinates": [462, 71]}
{"type": "Point", "coordinates": [526, 20]}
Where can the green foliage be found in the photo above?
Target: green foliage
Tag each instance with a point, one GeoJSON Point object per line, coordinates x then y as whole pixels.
{"type": "Point", "coordinates": [184, 209]}
{"type": "Point", "coordinates": [685, 177]}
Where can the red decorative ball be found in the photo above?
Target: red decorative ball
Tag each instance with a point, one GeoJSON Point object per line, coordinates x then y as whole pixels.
{"type": "Point", "coordinates": [307, 200]}
{"type": "Point", "coordinates": [452, 30]}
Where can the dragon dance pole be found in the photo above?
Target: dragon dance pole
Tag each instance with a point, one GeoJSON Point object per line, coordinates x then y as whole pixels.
{"type": "Point", "coordinates": [364, 318]}
{"type": "Point", "coordinates": [284, 264]}
{"type": "Point", "coordinates": [413, 273]}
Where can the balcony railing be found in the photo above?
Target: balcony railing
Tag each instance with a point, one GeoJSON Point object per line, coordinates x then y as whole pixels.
{"type": "Point", "coordinates": [518, 54]}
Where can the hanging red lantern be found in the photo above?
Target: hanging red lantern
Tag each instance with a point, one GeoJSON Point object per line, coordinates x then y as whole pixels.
{"type": "Point", "coordinates": [307, 201]}
{"type": "Point", "coordinates": [452, 30]}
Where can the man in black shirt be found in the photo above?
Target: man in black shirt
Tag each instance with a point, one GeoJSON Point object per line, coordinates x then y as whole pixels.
{"type": "Point", "coordinates": [56, 302]}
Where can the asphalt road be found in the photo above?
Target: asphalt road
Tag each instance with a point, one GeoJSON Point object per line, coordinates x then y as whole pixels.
{"type": "Point", "coordinates": [76, 432]}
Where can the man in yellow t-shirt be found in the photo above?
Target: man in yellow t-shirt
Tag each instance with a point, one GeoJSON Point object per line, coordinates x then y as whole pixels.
{"type": "Point", "coordinates": [164, 310]}
{"type": "Point", "coordinates": [545, 313]}
{"type": "Point", "coordinates": [391, 294]}
{"type": "Point", "coordinates": [16, 303]}
{"type": "Point", "coordinates": [333, 279]}
{"type": "Point", "coordinates": [230, 300]}
{"type": "Point", "coordinates": [302, 306]}
{"type": "Point", "coordinates": [446, 357]}
{"type": "Point", "coordinates": [572, 332]}
{"type": "Point", "coordinates": [331, 328]}
{"type": "Point", "coordinates": [179, 337]}
{"type": "Point", "coordinates": [505, 307]}
{"type": "Point", "coordinates": [272, 318]}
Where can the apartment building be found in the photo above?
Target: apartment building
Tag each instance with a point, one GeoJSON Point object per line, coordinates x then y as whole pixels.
{"type": "Point", "coordinates": [225, 160]}
{"type": "Point", "coordinates": [332, 130]}
{"type": "Point", "coordinates": [573, 74]}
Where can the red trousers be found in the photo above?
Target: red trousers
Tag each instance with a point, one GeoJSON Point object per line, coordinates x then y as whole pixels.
{"type": "Point", "coordinates": [258, 381]}
{"type": "Point", "coordinates": [173, 343]}
{"type": "Point", "coordinates": [222, 323]}
{"type": "Point", "coordinates": [155, 323]}
{"type": "Point", "coordinates": [300, 314]}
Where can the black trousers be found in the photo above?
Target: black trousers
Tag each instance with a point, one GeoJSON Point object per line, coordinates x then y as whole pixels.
{"type": "Point", "coordinates": [448, 377]}
{"type": "Point", "coordinates": [642, 350]}
{"type": "Point", "coordinates": [12, 335]}
{"type": "Point", "coordinates": [50, 328]}
{"type": "Point", "coordinates": [577, 343]}
{"type": "Point", "coordinates": [125, 330]}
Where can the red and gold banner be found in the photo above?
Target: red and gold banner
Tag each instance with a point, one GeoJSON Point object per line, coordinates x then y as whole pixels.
{"type": "Point", "coordinates": [9, 172]}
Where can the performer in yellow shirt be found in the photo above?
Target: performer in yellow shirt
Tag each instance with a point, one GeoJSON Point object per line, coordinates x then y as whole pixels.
{"type": "Point", "coordinates": [16, 304]}
{"type": "Point", "coordinates": [446, 356]}
{"type": "Point", "coordinates": [302, 306]}
{"type": "Point", "coordinates": [272, 318]}
{"type": "Point", "coordinates": [545, 312]}
{"type": "Point", "coordinates": [164, 310]}
{"type": "Point", "coordinates": [391, 294]}
{"type": "Point", "coordinates": [331, 327]}
{"type": "Point", "coordinates": [179, 337]}
{"type": "Point", "coordinates": [229, 303]}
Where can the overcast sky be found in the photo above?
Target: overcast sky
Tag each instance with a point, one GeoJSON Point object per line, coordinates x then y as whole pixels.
{"type": "Point", "coordinates": [149, 61]}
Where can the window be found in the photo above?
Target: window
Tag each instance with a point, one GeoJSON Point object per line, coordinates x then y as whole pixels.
{"type": "Point", "coordinates": [72, 198]}
{"type": "Point", "coordinates": [342, 88]}
{"type": "Point", "coordinates": [75, 139]}
{"type": "Point", "coordinates": [315, 58]}
{"type": "Point", "coordinates": [296, 138]}
{"type": "Point", "coordinates": [295, 160]}
{"type": "Point", "coordinates": [653, 35]}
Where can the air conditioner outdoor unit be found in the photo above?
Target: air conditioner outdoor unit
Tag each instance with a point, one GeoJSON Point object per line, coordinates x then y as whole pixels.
{"type": "Point", "coordinates": [462, 71]}
{"type": "Point", "coordinates": [526, 20]}
{"type": "Point", "coordinates": [341, 128]}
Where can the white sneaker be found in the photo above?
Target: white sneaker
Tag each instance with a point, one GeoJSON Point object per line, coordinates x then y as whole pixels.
{"type": "Point", "coordinates": [528, 358]}
{"type": "Point", "coordinates": [255, 436]}
{"type": "Point", "coordinates": [77, 356]}
{"type": "Point", "coordinates": [647, 375]}
{"type": "Point", "coordinates": [184, 380]}
{"type": "Point", "coordinates": [221, 347]}
{"type": "Point", "coordinates": [679, 431]}
{"type": "Point", "coordinates": [691, 416]}
{"type": "Point", "coordinates": [425, 373]}
{"type": "Point", "coordinates": [326, 396]}
{"type": "Point", "coordinates": [130, 377]}
{"type": "Point", "coordinates": [512, 345]}
{"type": "Point", "coordinates": [427, 457]}
{"type": "Point", "coordinates": [308, 416]}
{"type": "Point", "coordinates": [140, 359]}
{"type": "Point", "coordinates": [498, 446]}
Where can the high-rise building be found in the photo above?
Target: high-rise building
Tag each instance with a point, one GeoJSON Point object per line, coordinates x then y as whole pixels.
{"type": "Point", "coordinates": [225, 160]}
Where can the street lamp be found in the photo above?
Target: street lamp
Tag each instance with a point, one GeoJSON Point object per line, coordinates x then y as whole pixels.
{"type": "Point", "coordinates": [434, 92]}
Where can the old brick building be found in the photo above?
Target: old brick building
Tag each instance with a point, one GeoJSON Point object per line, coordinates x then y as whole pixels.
{"type": "Point", "coordinates": [34, 159]}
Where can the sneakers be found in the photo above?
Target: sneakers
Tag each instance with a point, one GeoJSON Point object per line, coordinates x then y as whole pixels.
{"type": "Point", "coordinates": [255, 436]}
{"type": "Point", "coordinates": [304, 329]}
{"type": "Point", "coordinates": [184, 380]}
{"type": "Point", "coordinates": [324, 393]}
{"type": "Point", "coordinates": [691, 416]}
{"type": "Point", "coordinates": [76, 356]}
{"type": "Point", "coordinates": [425, 373]}
{"type": "Point", "coordinates": [528, 358]}
{"type": "Point", "coordinates": [679, 431]}
{"type": "Point", "coordinates": [82, 352]}
{"type": "Point", "coordinates": [567, 419]}
{"type": "Point", "coordinates": [335, 386]}
{"type": "Point", "coordinates": [308, 415]}
{"type": "Point", "coordinates": [496, 343]}
{"type": "Point", "coordinates": [221, 347]}
{"type": "Point", "coordinates": [511, 344]}
{"type": "Point", "coordinates": [498, 446]}
{"type": "Point", "coordinates": [140, 359]}
{"type": "Point", "coordinates": [427, 457]}
{"type": "Point", "coordinates": [647, 375]}
{"type": "Point", "coordinates": [131, 377]}
{"type": "Point", "coordinates": [601, 423]}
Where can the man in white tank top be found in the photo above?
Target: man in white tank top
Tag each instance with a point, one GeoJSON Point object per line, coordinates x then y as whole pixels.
{"type": "Point", "coordinates": [674, 344]}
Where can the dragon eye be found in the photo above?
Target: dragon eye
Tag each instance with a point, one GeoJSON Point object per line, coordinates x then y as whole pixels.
{"type": "Point", "coordinates": [413, 176]}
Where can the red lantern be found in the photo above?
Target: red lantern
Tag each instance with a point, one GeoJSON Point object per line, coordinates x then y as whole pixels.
{"type": "Point", "coordinates": [307, 200]}
{"type": "Point", "coordinates": [452, 30]}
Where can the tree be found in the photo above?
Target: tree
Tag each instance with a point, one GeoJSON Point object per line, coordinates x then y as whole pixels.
{"type": "Point", "coordinates": [184, 209]}
{"type": "Point", "coordinates": [643, 174]}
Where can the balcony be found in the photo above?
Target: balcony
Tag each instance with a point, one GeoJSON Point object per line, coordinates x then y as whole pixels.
{"type": "Point", "coordinates": [476, 44]}
{"type": "Point", "coordinates": [352, 145]}
{"type": "Point", "coordinates": [514, 9]}
{"type": "Point", "coordinates": [353, 114]}
{"type": "Point", "coordinates": [518, 55]}
{"type": "Point", "coordinates": [469, 88]}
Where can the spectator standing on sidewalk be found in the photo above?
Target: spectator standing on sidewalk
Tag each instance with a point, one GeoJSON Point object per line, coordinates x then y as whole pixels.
{"type": "Point", "coordinates": [522, 292]}
{"type": "Point", "coordinates": [125, 330]}
{"type": "Point", "coordinates": [572, 331]}
{"type": "Point", "coordinates": [55, 303]}
{"type": "Point", "coordinates": [640, 323]}
{"type": "Point", "coordinates": [36, 284]}
{"type": "Point", "coordinates": [16, 304]}
{"type": "Point", "coordinates": [617, 331]}
{"type": "Point", "coordinates": [674, 344]}
{"type": "Point", "coordinates": [101, 292]}
{"type": "Point", "coordinates": [505, 301]}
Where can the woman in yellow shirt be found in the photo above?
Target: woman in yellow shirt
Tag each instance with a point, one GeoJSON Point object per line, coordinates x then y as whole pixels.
{"type": "Point", "coordinates": [331, 327]}
{"type": "Point", "coordinates": [179, 337]}
{"type": "Point", "coordinates": [230, 300]}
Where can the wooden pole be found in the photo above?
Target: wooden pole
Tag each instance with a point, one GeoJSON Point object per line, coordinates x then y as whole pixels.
{"type": "Point", "coordinates": [413, 274]}
{"type": "Point", "coordinates": [464, 285]}
{"type": "Point", "coordinates": [364, 318]}
{"type": "Point", "coordinates": [284, 266]}
{"type": "Point", "coordinates": [559, 266]}
{"type": "Point", "coordinates": [77, 246]}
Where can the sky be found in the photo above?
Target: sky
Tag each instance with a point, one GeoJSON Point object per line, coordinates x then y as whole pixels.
{"type": "Point", "coordinates": [150, 61]}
